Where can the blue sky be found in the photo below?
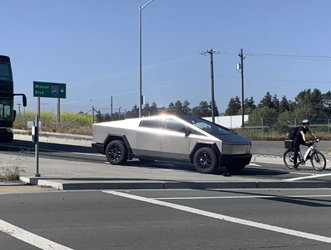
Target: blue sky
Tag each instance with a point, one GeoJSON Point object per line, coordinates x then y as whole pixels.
{"type": "Point", "coordinates": [93, 47]}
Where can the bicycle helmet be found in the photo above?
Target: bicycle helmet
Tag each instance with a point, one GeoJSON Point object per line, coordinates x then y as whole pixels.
{"type": "Point", "coordinates": [306, 121]}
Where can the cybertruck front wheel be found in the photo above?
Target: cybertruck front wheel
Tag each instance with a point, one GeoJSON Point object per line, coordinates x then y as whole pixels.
{"type": "Point", "coordinates": [205, 160]}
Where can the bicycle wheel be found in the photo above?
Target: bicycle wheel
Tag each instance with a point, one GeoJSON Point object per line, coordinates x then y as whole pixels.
{"type": "Point", "coordinates": [288, 158]}
{"type": "Point", "coordinates": [318, 161]}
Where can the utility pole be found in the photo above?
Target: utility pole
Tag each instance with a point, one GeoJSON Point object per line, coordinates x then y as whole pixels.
{"type": "Point", "coordinates": [111, 106]}
{"type": "Point", "coordinates": [211, 52]}
{"type": "Point", "coordinates": [19, 109]}
{"type": "Point", "coordinates": [140, 59]}
{"type": "Point", "coordinates": [241, 67]}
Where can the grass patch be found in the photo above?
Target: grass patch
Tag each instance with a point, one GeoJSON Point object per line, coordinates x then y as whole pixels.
{"type": "Point", "coordinates": [12, 174]}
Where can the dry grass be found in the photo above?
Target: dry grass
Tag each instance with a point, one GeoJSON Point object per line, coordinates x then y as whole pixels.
{"type": "Point", "coordinates": [12, 174]}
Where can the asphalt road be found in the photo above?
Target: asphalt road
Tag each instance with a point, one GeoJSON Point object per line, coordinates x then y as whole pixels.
{"type": "Point", "coordinates": [172, 219]}
{"type": "Point", "coordinates": [42, 218]}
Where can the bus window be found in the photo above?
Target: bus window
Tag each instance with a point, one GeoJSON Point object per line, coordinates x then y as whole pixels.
{"type": "Point", "coordinates": [5, 113]}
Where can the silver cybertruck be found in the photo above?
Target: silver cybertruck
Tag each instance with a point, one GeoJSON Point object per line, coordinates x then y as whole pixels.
{"type": "Point", "coordinates": [170, 138]}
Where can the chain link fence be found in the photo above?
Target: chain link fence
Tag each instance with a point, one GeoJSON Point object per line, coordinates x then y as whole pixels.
{"type": "Point", "coordinates": [275, 124]}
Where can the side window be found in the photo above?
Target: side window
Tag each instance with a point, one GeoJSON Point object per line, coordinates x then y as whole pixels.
{"type": "Point", "coordinates": [205, 127]}
{"type": "Point", "coordinates": [152, 124]}
{"type": "Point", "coordinates": [5, 111]}
{"type": "Point", "coordinates": [174, 125]}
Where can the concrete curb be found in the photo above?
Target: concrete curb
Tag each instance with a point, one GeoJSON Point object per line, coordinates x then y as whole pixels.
{"type": "Point", "coordinates": [56, 135]}
{"type": "Point", "coordinates": [61, 184]}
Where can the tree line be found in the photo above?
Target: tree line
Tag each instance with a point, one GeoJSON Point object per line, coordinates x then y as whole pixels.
{"type": "Point", "coordinates": [308, 104]}
{"type": "Point", "coordinates": [177, 108]}
{"type": "Point", "coordinates": [279, 115]}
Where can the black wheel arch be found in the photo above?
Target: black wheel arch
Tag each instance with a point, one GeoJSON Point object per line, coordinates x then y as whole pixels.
{"type": "Point", "coordinates": [209, 145]}
{"type": "Point", "coordinates": [111, 137]}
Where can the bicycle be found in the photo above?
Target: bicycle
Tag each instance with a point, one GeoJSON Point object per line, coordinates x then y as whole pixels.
{"type": "Point", "coordinates": [316, 158]}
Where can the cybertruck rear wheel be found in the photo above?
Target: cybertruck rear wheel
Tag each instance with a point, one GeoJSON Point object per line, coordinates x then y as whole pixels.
{"type": "Point", "coordinates": [205, 160]}
{"type": "Point", "coordinates": [116, 152]}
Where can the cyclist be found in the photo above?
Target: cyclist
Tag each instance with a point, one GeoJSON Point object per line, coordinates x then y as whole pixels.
{"type": "Point", "coordinates": [300, 138]}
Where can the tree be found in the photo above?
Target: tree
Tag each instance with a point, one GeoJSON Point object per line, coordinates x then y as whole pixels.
{"type": "Point", "coordinates": [153, 109]}
{"type": "Point", "coordinates": [107, 117]}
{"type": "Point", "coordinates": [146, 110]}
{"type": "Point", "coordinates": [171, 109]}
{"type": "Point", "coordinates": [216, 113]}
{"type": "Point", "coordinates": [249, 105]}
{"type": "Point", "coordinates": [178, 108]}
{"type": "Point", "coordinates": [275, 102]}
{"type": "Point", "coordinates": [265, 115]}
{"type": "Point", "coordinates": [186, 108]}
{"type": "Point", "coordinates": [284, 105]}
{"type": "Point", "coordinates": [326, 102]}
{"type": "Point", "coordinates": [234, 106]}
{"type": "Point", "coordinates": [266, 101]}
{"type": "Point", "coordinates": [309, 104]}
{"type": "Point", "coordinates": [202, 110]}
{"type": "Point", "coordinates": [134, 113]}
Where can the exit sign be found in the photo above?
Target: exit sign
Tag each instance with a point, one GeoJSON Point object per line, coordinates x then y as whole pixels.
{"type": "Point", "coordinates": [49, 89]}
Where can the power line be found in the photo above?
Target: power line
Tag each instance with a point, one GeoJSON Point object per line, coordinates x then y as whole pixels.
{"type": "Point", "coordinates": [288, 56]}
{"type": "Point", "coordinates": [276, 80]}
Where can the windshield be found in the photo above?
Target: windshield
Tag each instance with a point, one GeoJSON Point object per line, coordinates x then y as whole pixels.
{"type": "Point", "coordinates": [207, 126]}
{"type": "Point", "coordinates": [5, 72]}
{"type": "Point", "coordinates": [5, 110]}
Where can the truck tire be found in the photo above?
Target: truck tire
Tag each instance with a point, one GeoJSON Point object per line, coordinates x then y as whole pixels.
{"type": "Point", "coordinates": [116, 152]}
{"type": "Point", "coordinates": [205, 160]}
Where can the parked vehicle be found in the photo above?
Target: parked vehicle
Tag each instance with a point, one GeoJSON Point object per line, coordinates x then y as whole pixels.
{"type": "Point", "coordinates": [166, 137]}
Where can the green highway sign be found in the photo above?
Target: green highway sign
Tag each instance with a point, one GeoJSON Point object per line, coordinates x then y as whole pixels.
{"type": "Point", "coordinates": [49, 89]}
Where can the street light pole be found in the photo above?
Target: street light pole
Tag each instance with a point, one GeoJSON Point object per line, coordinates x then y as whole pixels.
{"type": "Point", "coordinates": [140, 60]}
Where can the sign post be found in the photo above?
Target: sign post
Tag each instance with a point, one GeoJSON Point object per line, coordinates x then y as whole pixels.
{"type": "Point", "coordinates": [35, 139]}
{"type": "Point", "coordinates": [50, 90]}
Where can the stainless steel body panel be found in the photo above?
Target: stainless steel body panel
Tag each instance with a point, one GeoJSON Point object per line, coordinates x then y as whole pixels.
{"type": "Point", "coordinates": [175, 145]}
{"type": "Point", "coordinates": [149, 142]}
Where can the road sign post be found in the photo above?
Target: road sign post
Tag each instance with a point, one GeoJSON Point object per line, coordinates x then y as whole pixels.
{"type": "Point", "coordinates": [50, 90]}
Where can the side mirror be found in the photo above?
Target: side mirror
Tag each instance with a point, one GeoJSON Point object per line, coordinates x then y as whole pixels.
{"type": "Point", "coordinates": [187, 132]}
{"type": "Point", "coordinates": [14, 115]}
{"type": "Point", "coordinates": [23, 97]}
{"type": "Point", "coordinates": [24, 101]}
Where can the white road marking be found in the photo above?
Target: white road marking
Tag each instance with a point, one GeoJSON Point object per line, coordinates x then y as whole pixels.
{"type": "Point", "coordinates": [300, 173]}
{"type": "Point", "coordinates": [30, 238]}
{"type": "Point", "coordinates": [224, 217]}
{"type": "Point", "coordinates": [244, 197]}
{"type": "Point", "coordinates": [308, 177]}
{"type": "Point", "coordinates": [59, 151]}
{"type": "Point", "coordinates": [253, 164]}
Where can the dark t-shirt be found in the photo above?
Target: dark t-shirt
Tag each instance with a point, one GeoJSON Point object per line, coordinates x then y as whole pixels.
{"type": "Point", "coordinates": [298, 135]}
